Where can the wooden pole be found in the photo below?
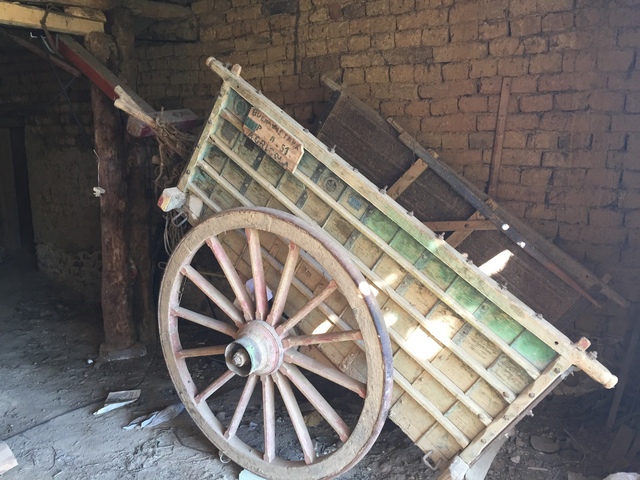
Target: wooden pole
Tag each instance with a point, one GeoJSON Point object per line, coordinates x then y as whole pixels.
{"type": "Point", "coordinates": [498, 141]}
{"type": "Point", "coordinates": [108, 134]}
{"type": "Point", "coordinates": [139, 187]}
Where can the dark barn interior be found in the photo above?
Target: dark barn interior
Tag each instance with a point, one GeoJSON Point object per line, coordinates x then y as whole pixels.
{"type": "Point", "coordinates": [500, 137]}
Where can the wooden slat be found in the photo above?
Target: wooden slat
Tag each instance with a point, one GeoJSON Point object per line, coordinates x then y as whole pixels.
{"type": "Point", "coordinates": [142, 8]}
{"type": "Point", "coordinates": [456, 238]}
{"type": "Point", "coordinates": [16, 15]}
{"type": "Point", "coordinates": [407, 178]}
{"type": "Point", "coordinates": [498, 140]}
{"type": "Point", "coordinates": [460, 226]}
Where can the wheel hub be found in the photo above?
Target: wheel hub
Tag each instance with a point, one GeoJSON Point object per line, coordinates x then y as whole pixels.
{"type": "Point", "coordinates": [257, 349]}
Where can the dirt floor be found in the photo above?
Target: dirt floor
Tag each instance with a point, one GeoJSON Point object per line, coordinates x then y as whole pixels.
{"type": "Point", "coordinates": [50, 385]}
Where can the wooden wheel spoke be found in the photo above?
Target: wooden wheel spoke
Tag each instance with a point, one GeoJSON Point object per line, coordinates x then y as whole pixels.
{"type": "Point", "coordinates": [308, 308]}
{"type": "Point", "coordinates": [332, 337]}
{"type": "Point", "coordinates": [242, 406]}
{"type": "Point", "coordinates": [237, 285]}
{"type": "Point", "coordinates": [257, 269]}
{"type": "Point", "coordinates": [296, 417]}
{"type": "Point", "coordinates": [201, 351]}
{"type": "Point", "coordinates": [326, 371]}
{"type": "Point", "coordinates": [288, 272]}
{"type": "Point", "coordinates": [269, 418]}
{"type": "Point", "coordinates": [215, 385]}
{"type": "Point", "coordinates": [213, 293]}
{"type": "Point", "coordinates": [205, 321]}
{"type": "Point", "coordinates": [317, 400]}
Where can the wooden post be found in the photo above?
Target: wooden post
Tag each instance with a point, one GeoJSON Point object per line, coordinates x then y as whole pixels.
{"type": "Point", "coordinates": [498, 141]}
{"type": "Point", "coordinates": [139, 186]}
{"type": "Point", "coordinates": [108, 134]}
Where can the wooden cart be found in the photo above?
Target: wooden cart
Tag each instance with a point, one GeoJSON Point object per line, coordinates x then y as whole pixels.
{"type": "Point", "coordinates": [318, 265]}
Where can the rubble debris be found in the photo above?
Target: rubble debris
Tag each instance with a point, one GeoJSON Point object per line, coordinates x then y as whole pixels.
{"type": "Point", "coordinates": [156, 418]}
{"type": "Point", "coordinates": [544, 445]}
{"type": "Point", "coordinates": [117, 400]}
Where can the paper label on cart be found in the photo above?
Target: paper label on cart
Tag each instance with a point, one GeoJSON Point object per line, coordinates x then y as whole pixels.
{"type": "Point", "coordinates": [273, 139]}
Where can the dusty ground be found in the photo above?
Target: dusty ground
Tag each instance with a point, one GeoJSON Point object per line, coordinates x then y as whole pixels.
{"type": "Point", "coordinates": [49, 391]}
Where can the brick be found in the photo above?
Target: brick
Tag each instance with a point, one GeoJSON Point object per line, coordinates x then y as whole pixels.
{"type": "Point", "coordinates": [544, 140]}
{"type": "Point", "coordinates": [358, 43]}
{"type": "Point", "coordinates": [395, 91]}
{"type": "Point", "coordinates": [521, 193]}
{"type": "Point", "coordinates": [257, 57]}
{"type": "Point", "coordinates": [632, 219]}
{"type": "Point", "coordinates": [607, 101]}
{"type": "Point", "coordinates": [536, 103]}
{"type": "Point", "coordinates": [322, 64]}
{"type": "Point", "coordinates": [624, 81]}
{"type": "Point", "coordinates": [601, 177]}
{"type": "Point", "coordinates": [355, 60]}
{"type": "Point", "coordinates": [624, 17]}
{"type": "Point", "coordinates": [354, 10]}
{"type": "Point", "coordinates": [377, 74]}
{"type": "Point", "coordinates": [455, 140]}
{"type": "Point", "coordinates": [603, 141]}
{"type": "Point", "coordinates": [615, 60]}
{"type": "Point", "coordinates": [629, 199]}
{"type": "Point", "coordinates": [546, 63]}
{"type": "Point", "coordinates": [522, 121]}
{"type": "Point", "coordinates": [435, 36]}
{"type": "Point", "coordinates": [597, 236]}
{"type": "Point", "coordinates": [555, 159]}
{"type": "Point", "coordinates": [292, 97]}
{"type": "Point", "coordinates": [458, 52]}
{"type": "Point", "coordinates": [393, 108]}
{"type": "Point", "coordinates": [335, 45]}
{"type": "Point", "coordinates": [521, 157]}
{"type": "Point", "coordinates": [571, 101]}
{"type": "Point", "coordinates": [625, 123]}
{"type": "Point", "coordinates": [401, 6]}
{"type": "Point", "coordinates": [595, 197]}
{"type": "Point", "coordinates": [455, 71]}
{"type": "Point", "coordinates": [464, 32]}
{"type": "Point", "coordinates": [486, 122]}
{"type": "Point", "coordinates": [515, 139]}
{"type": "Point", "coordinates": [534, 45]}
{"type": "Point", "coordinates": [629, 37]}
{"type": "Point", "coordinates": [632, 103]}
{"type": "Point", "coordinates": [557, 21]}
{"type": "Point", "coordinates": [505, 47]}
{"type": "Point", "coordinates": [490, 85]}
{"type": "Point", "coordinates": [460, 122]}
{"type": "Point", "coordinates": [401, 73]}
{"type": "Point", "coordinates": [444, 106]}
{"type": "Point", "coordinates": [493, 29]}
{"type": "Point", "coordinates": [536, 176]}
{"type": "Point", "coordinates": [408, 56]}
{"type": "Point", "coordinates": [315, 48]}
{"type": "Point", "coordinates": [480, 140]}
{"type": "Point", "coordinates": [420, 108]}
{"type": "Point", "coordinates": [383, 41]}
{"type": "Point", "coordinates": [245, 13]}
{"type": "Point", "coordinates": [513, 66]}
{"type": "Point", "coordinates": [487, 67]}
{"type": "Point", "coordinates": [277, 69]}
{"type": "Point", "coordinates": [421, 19]}
{"type": "Point", "coordinates": [408, 38]}
{"type": "Point", "coordinates": [489, 10]}
{"type": "Point", "coordinates": [572, 215]}
{"type": "Point", "coordinates": [473, 103]}
{"type": "Point", "coordinates": [525, 84]}
{"type": "Point", "coordinates": [353, 76]}
{"type": "Point", "coordinates": [377, 7]}
{"type": "Point", "coordinates": [633, 142]}
{"type": "Point", "coordinates": [525, 26]}
{"type": "Point", "coordinates": [427, 74]}
{"type": "Point", "coordinates": [448, 89]}
{"type": "Point", "coordinates": [570, 82]}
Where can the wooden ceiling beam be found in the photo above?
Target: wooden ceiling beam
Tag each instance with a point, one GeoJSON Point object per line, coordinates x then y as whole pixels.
{"type": "Point", "coordinates": [16, 15]}
{"type": "Point", "coordinates": [141, 8]}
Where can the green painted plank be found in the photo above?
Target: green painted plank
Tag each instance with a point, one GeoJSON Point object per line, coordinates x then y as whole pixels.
{"type": "Point", "coordinates": [534, 350]}
{"type": "Point", "coordinates": [437, 271]}
{"type": "Point", "coordinates": [466, 295]}
{"type": "Point", "coordinates": [407, 246]}
{"type": "Point", "coordinates": [381, 225]}
{"type": "Point", "coordinates": [498, 321]}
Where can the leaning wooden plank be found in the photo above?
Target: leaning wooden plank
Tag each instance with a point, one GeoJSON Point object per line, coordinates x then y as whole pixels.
{"type": "Point", "coordinates": [7, 459]}
{"type": "Point", "coordinates": [16, 15]}
{"type": "Point", "coordinates": [142, 8]}
{"type": "Point", "coordinates": [513, 227]}
{"type": "Point", "coordinates": [456, 238]}
{"type": "Point", "coordinates": [407, 178]}
{"type": "Point", "coordinates": [460, 226]}
{"type": "Point", "coordinates": [498, 141]}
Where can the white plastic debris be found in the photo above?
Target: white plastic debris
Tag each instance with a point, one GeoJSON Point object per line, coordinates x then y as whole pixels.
{"type": "Point", "coordinates": [98, 191]}
{"type": "Point", "coordinates": [623, 476]}
{"type": "Point", "coordinates": [118, 399]}
{"type": "Point", "coordinates": [156, 418]}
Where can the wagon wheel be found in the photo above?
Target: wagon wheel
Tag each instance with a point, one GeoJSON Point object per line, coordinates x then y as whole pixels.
{"type": "Point", "coordinates": [269, 331]}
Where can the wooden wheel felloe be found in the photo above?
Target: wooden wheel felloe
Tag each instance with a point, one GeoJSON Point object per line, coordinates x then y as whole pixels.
{"type": "Point", "coordinates": [289, 292]}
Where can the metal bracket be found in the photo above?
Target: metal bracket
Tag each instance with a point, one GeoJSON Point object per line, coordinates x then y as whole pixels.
{"type": "Point", "coordinates": [430, 464]}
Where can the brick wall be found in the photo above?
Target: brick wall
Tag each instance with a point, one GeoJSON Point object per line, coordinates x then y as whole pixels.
{"type": "Point", "coordinates": [571, 160]}
{"type": "Point", "coordinates": [61, 164]}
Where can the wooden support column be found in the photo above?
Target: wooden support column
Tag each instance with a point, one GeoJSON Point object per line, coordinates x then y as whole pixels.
{"type": "Point", "coordinates": [139, 187]}
{"type": "Point", "coordinates": [108, 135]}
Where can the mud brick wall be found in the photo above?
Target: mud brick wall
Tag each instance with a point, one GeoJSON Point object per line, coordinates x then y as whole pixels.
{"type": "Point", "coordinates": [61, 164]}
{"type": "Point", "coordinates": [571, 160]}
